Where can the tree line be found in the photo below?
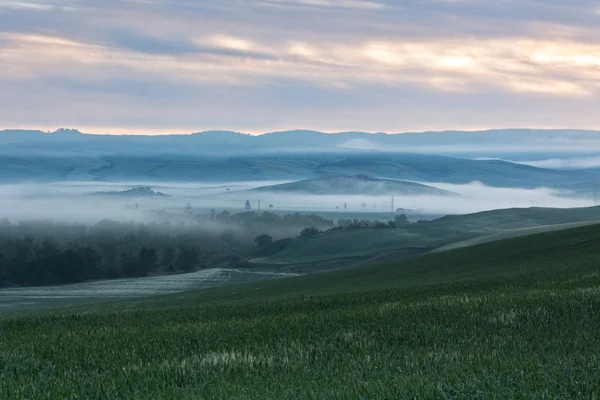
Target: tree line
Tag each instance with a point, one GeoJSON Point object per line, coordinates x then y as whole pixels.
{"type": "Point", "coordinates": [35, 253]}
{"type": "Point", "coordinates": [45, 253]}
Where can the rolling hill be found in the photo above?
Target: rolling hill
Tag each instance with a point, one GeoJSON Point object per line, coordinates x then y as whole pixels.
{"type": "Point", "coordinates": [142, 191]}
{"type": "Point", "coordinates": [354, 185]}
{"type": "Point", "coordinates": [511, 319]}
{"type": "Point", "coordinates": [219, 156]}
{"type": "Point", "coordinates": [471, 143]}
{"type": "Point", "coordinates": [27, 167]}
{"type": "Point", "coordinates": [366, 246]}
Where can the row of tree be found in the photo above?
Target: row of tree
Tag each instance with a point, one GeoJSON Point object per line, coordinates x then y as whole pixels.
{"type": "Point", "coordinates": [347, 224]}
{"type": "Point", "coordinates": [265, 219]}
{"type": "Point", "coordinates": [45, 253]}
{"type": "Point", "coordinates": [27, 262]}
{"type": "Point", "coordinates": [350, 224]}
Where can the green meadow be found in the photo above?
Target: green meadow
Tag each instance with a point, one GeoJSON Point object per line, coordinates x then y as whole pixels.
{"type": "Point", "coordinates": [517, 318]}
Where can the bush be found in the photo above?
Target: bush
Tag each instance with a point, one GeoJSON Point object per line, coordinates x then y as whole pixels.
{"type": "Point", "coordinates": [401, 219]}
{"type": "Point", "coordinates": [263, 240]}
{"type": "Point", "coordinates": [309, 232]}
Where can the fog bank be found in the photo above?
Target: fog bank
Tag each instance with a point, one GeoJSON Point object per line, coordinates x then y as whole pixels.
{"type": "Point", "coordinates": [73, 202]}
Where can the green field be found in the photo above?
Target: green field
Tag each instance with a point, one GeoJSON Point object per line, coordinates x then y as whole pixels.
{"type": "Point", "coordinates": [368, 245]}
{"type": "Point", "coordinates": [516, 318]}
{"type": "Point", "coordinates": [19, 299]}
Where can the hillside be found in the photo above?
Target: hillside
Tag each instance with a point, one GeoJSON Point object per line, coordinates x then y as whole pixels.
{"type": "Point", "coordinates": [142, 191]}
{"type": "Point", "coordinates": [354, 185]}
{"type": "Point", "coordinates": [338, 248]}
{"type": "Point", "coordinates": [220, 156]}
{"type": "Point", "coordinates": [55, 165]}
{"type": "Point", "coordinates": [471, 143]}
{"type": "Point", "coordinates": [511, 319]}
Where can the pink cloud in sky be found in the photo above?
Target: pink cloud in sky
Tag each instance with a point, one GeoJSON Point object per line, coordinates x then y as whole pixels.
{"type": "Point", "coordinates": [175, 66]}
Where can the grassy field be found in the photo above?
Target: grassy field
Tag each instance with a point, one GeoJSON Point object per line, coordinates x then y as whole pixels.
{"type": "Point", "coordinates": [422, 238]}
{"type": "Point", "coordinates": [511, 319]}
{"type": "Point", "coordinates": [16, 300]}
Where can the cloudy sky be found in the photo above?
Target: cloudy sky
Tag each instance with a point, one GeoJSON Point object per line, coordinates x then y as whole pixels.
{"type": "Point", "coordinates": [166, 66]}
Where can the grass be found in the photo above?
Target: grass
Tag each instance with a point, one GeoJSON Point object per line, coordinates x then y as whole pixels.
{"type": "Point", "coordinates": [511, 319]}
{"type": "Point", "coordinates": [19, 299]}
{"type": "Point", "coordinates": [446, 231]}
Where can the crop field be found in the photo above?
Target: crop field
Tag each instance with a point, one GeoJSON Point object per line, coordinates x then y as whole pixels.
{"type": "Point", "coordinates": [16, 299]}
{"type": "Point", "coordinates": [511, 319]}
{"type": "Point", "coordinates": [514, 233]}
{"type": "Point", "coordinates": [445, 233]}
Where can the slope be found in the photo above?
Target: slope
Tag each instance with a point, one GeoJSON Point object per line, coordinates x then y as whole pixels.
{"type": "Point", "coordinates": [511, 319]}
{"type": "Point", "coordinates": [412, 239]}
{"type": "Point", "coordinates": [490, 142]}
{"type": "Point", "coordinates": [354, 185]}
{"type": "Point", "coordinates": [226, 156]}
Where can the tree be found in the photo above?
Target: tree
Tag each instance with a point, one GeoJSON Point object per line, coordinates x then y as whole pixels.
{"type": "Point", "coordinates": [3, 270]}
{"type": "Point", "coordinates": [263, 240]}
{"type": "Point", "coordinates": [148, 260]}
{"type": "Point", "coordinates": [379, 225]}
{"type": "Point", "coordinates": [187, 258]}
{"type": "Point", "coordinates": [171, 269]}
{"type": "Point", "coordinates": [248, 206]}
{"type": "Point", "coordinates": [129, 264]}
{"type": "Point", "coordinates": [401, 219]}
{"type": "Point", "coordinates": [91, 262]}
{"type": "Point", "coordinates": [168, 256]}
{"type": "Point", "coordinates": [51, 262]}
{"type": "Point", "coordinates": [309, 232]}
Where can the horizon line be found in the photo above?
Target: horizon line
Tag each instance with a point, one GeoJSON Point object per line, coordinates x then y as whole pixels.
{"type": "Point", "coordinates": [156, 132]}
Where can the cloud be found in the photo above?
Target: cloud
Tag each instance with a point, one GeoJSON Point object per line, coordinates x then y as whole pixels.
{"type": "Point", "coordinates": [356, 4]}
{"type": "Point", "coordinates": [451, 60]}
{"type": "Point", "coordinates": [25, 5]}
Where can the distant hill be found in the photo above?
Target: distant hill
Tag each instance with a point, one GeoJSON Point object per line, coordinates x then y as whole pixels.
{"type": "Point", "coordinates": [464, 143]}
{"type": "Point", "coordinates": [447, 232]}
{"type": "Point", "coordinates": [134, 192]}
{"type": "Point", "coordinates": [280, 167]}
{"type": "Point", "coordinates": [220, 156]}
{"type": "Point", "coordinates": [354, 185]}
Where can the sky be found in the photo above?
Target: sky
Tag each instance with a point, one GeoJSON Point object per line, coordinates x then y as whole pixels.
{"type": "Point", "coordinates": [178, 66]}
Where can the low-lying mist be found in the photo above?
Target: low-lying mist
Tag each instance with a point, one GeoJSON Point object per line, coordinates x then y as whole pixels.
{"type": "Point", "coordinates": [560, 163]}
{"type": "Point", "coordinates": [76, 202]}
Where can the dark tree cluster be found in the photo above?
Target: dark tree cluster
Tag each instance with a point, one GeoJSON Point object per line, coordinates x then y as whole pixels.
{"type": "Point", "coordinates": [349, 224]}
{"type": "Point", "coordinates": [268, 220]}
{"type": "Point", "coordinates": [263, 240]}
{"type": "Point", "coordinates": [26, 262]}
{"type": "Point", "coordinates": [46, 253]}
{"type": "Point", "coordinates": [309, 232]}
